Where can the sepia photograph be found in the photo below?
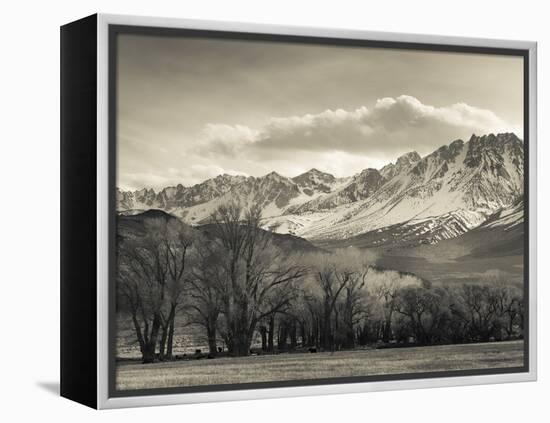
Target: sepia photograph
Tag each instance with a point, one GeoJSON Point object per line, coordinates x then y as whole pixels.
{"type": "Point", "coordinates": [293, 210]}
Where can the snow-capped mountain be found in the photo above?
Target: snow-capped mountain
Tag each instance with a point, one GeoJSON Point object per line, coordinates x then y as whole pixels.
{"type": "Point", "coordinates": [406, 161]}
{"type": "Point", "coordinates": [423, 199]}
{"type": "Point", "coordinates": [177, 196]}
{"type": "Point", "coordinates": [467, 181]}
{"type": "Point", "coordinates": [315, 181]}
{"type": "Point", "coordinates": [273, 192]}
{"type": "Point", "coordinates": [359, 187]}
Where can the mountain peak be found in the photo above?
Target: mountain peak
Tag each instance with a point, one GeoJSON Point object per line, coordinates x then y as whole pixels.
{"type": "Point", "coordinates": [314, 170]}
{"type": "Point", "coordinates": [146, 191]}
{"type": "Point", "coordinates": [456, 144]}
{"type": "Point", "coordinates": [505, 137]}
{"type": "Point", "coordinates": [448, 153]}
{"type": "Point", "coordinates": [314, 177]}
{"type": "Point", "coordinates": [492, 142]}
{"type": "Point", "coordinates": [227, 178]}
{"type": "Point", "coordinates": [369, 171]}
{"type": "Point", "coordinates": [403, 162]}
{"type": "Point", "coordinates": [272, 175]}
{"type": "Point", "coordinates": [275, 178]}
{"type": "Point", "coordinates": [408, 158]}
{"type": "Point", "coordinates": [486, 148]}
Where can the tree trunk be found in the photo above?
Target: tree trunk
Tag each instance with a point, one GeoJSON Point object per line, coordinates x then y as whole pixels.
{"type": "Point", "coordinates": [241, 345]}
{"type": "Point", "coordinates": [350, 336]}
{"type": "Point", "coordinates": [167, 335]}
{"type": "Point", "coordinates": [162, 342]}
{"type": "Point", "coordinates": [271, 333]}
{"type": "Point", "coordinates": [317, 334]}
{"type": "Point", "coordinates": [148, 351]}
{"type": "Point", "coordinates": [387, 334]}
{"type": "Point", "coordinates": [303, 335]}
{"type": "Point", "coordinates": [211, 334]}
{"type": "Point", "coordinates": [327, 344]}
{"type": "Point", "coordinates": [283, 334]}
{"type": "Point", "coordinates": [281, 337]}
{"type": "Point", "coordinates": [139, 334]}
{"type": "Point", "coordinates": [293, 337]}
{"type": "Point", "coordinates": [240, 329]}
{"type": "Point", "coordinates": [170, 340]}
{"type": "Point", "coordinates": [263, 333]}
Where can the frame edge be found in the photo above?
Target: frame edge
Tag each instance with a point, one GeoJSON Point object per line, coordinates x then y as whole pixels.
{"type": "Point", "coordinates": [78, 183]}
{"type": "Point", "coordinates": [106, 402]}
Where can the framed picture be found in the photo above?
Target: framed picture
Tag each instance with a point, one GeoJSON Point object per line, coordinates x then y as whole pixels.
{"type": "Point", "coordinates": [253, 211]}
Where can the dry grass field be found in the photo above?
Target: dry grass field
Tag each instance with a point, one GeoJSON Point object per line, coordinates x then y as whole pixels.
{"type": "Point", "coordinates": [264, 368]}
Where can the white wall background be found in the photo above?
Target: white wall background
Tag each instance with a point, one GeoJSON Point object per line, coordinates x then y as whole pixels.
{"type": "Point", "coordinates": [29, 229]}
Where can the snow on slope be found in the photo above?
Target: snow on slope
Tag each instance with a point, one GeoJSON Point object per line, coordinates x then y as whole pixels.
{"type": "Point", "coordinates": [507, 218]}
{"type": "Point", "coordinates": [474, 178]}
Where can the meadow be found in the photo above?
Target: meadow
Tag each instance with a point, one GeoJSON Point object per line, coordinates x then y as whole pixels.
{"type": "Point", "coordinates": [302, 366]}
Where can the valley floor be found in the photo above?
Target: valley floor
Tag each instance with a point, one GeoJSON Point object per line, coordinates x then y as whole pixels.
{"type": "Point", "coordinates": [266, 368]}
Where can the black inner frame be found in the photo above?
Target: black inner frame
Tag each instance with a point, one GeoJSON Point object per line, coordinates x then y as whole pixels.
{"type": "Point", "coordinates": [114, 30]}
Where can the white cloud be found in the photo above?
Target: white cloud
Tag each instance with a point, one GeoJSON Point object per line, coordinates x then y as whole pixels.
{"type": "Point", "coordinates": [226, 139]}
{"type": "Point", "coordinates": [391, 126]}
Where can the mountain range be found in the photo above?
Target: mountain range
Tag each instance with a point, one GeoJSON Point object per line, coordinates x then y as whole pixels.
{"type": "Point", "coordinates": [415, 200]}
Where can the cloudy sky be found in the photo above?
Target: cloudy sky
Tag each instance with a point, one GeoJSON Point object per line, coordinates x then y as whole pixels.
{"type": "Point", "coordinates": [192, 108]}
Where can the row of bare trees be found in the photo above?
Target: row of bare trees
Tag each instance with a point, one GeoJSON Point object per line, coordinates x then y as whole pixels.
{"type": "Point", "coordinates": [234, 281]}
{"type": "Point", "coordinates": [342, 311]}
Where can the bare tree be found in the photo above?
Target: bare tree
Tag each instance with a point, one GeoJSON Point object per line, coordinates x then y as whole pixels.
{"type": "Point", "coordinates": [151, 266]}
{"type": "Point", "coordinates": [331, 283]}
{"type": "Point", "coordinates": [141, 285]}
{"type": "Point", "coordinates": [334, 274]}
{"type": "Point", "coordinates": [427, 310]}
{"type": "Point", "coordinates": [385, 286]}
{"type": "Point", "coordinates": [206, 281]}
{"type": "Point", "coordinates": [259, 276]}
{"type": "Point", "coordinates": [353, 307]}
{"type": "Point", "coordinates": [177, 239]}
